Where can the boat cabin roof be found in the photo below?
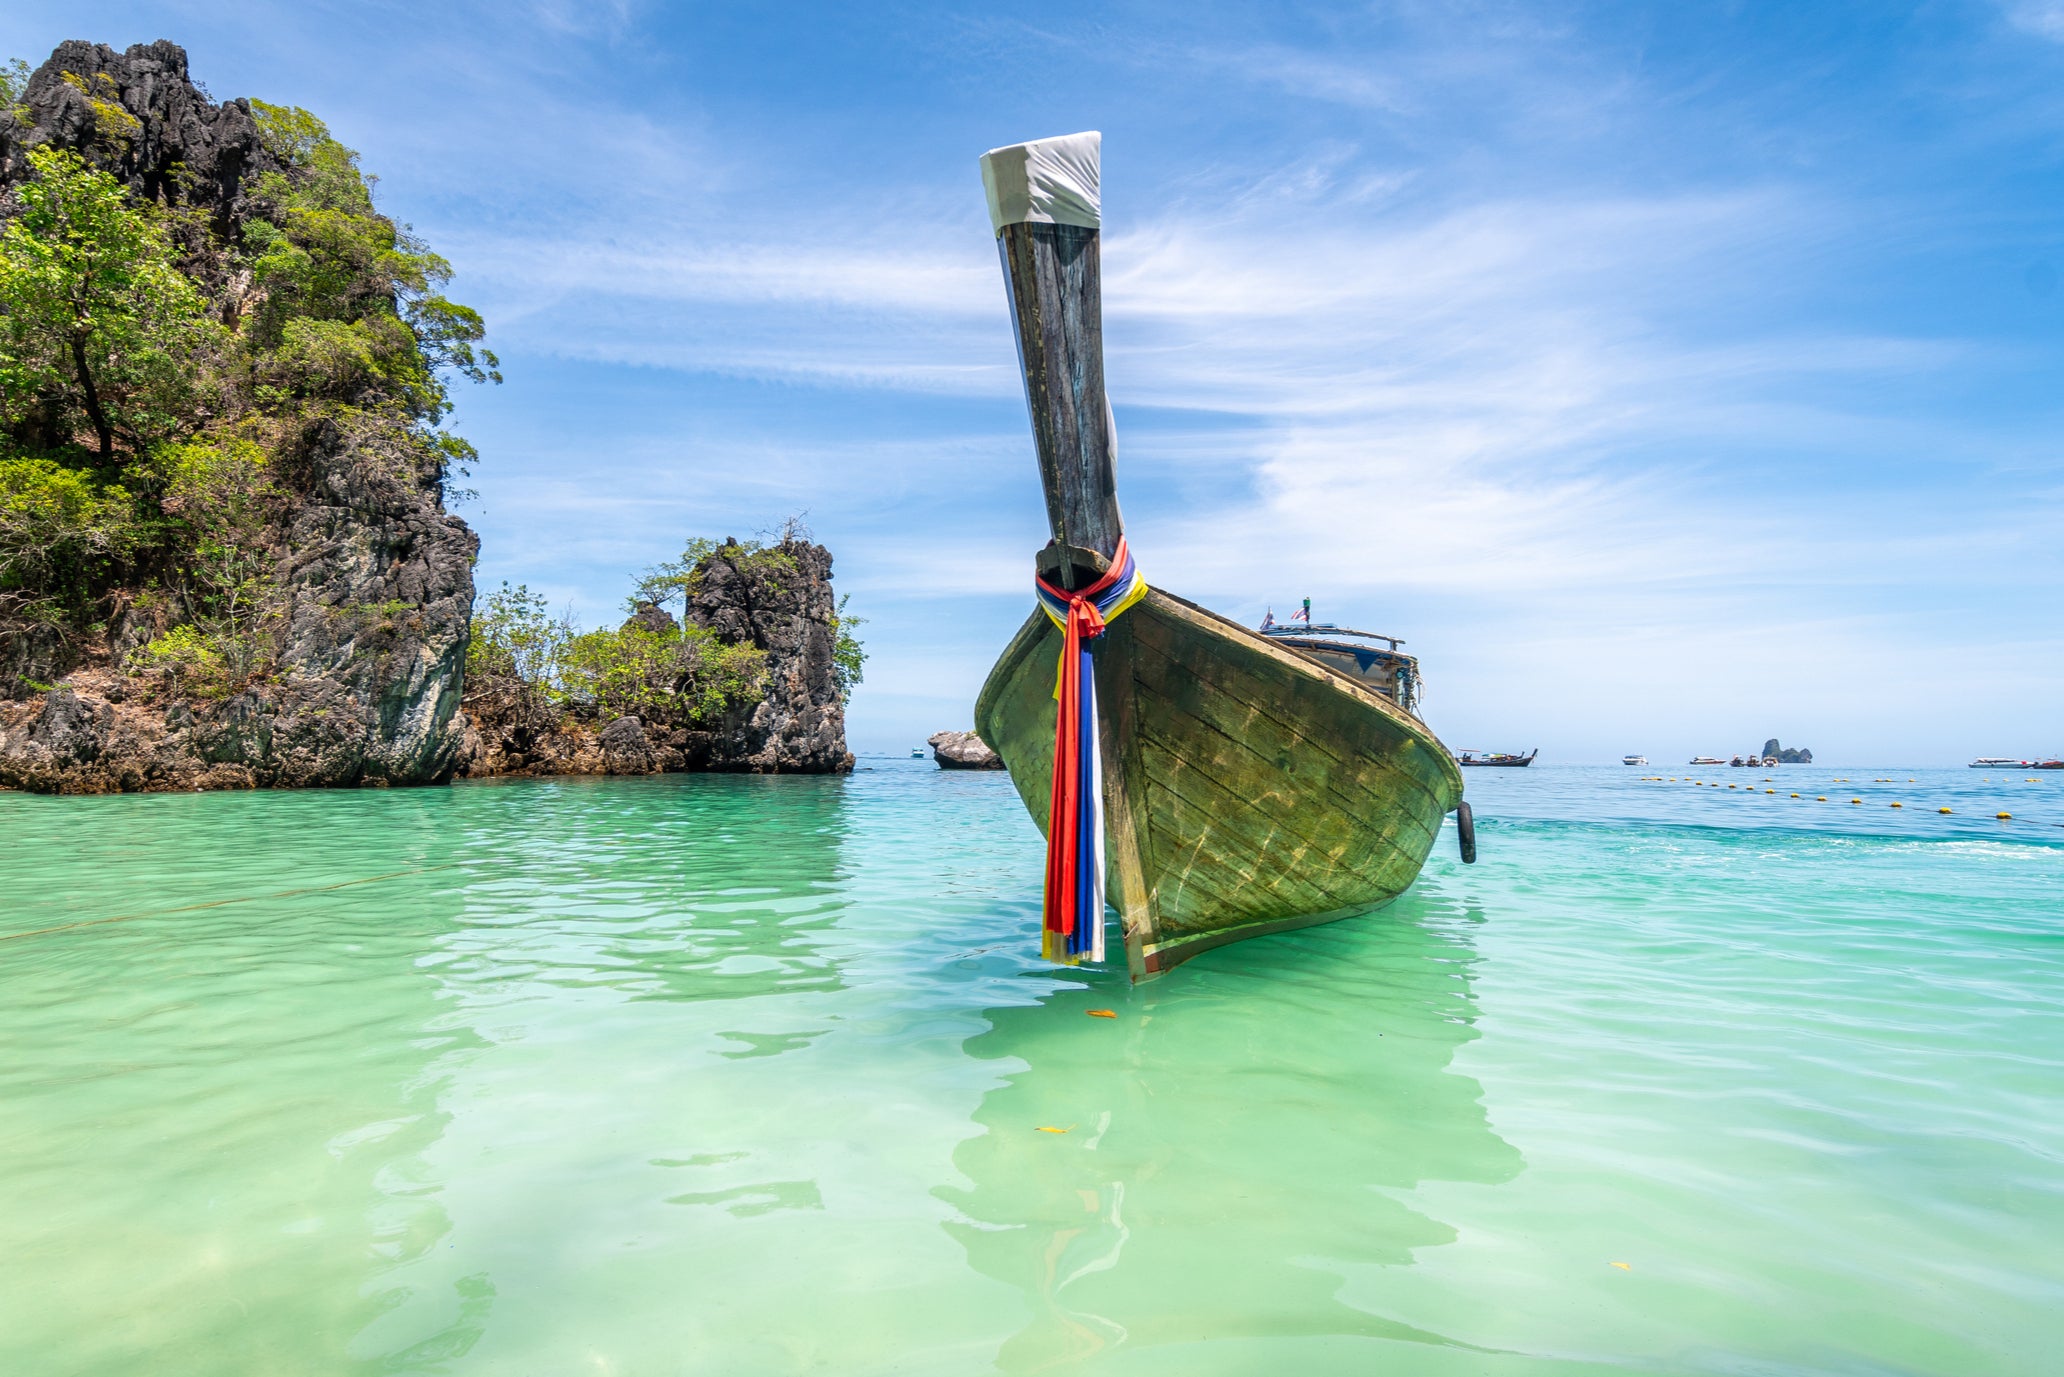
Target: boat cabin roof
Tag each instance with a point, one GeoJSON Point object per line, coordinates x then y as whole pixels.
{"type": "Point", "coordinates": [1328, 629]}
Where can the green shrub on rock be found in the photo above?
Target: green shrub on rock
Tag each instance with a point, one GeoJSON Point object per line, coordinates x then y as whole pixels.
{"type": "Point", "coordinates": [62, 532]}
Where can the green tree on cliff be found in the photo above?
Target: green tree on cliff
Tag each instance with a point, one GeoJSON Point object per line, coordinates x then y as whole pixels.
{"type": "Point", "coordinates": [354, 303]}
{"type": "Point", "coordinates": [98, 327]}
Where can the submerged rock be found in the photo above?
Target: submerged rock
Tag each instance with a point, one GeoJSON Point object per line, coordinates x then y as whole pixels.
{"type": "Point", "coordinates": [963, 751]}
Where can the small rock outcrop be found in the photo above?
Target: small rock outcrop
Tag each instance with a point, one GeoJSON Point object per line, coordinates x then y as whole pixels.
{"type": "Point", "coordinates": [625, 750]}
{"type": "Point", "coordinates": [1790, 755]}
{"type": "Point", "coordinates": [785, 607]}
{"type": "Point", "coordinates": [799, 727]}
{"type": "Point", "coordinates": [963, 751]}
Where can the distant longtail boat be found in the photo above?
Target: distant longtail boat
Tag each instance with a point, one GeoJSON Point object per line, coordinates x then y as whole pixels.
{"type": "Point", "coordinates": [1497, 758]}
{"type": "Point", "coordinates": [1218, 783]}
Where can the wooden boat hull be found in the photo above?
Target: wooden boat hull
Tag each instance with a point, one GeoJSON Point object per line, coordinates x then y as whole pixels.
{"type": "Point", "coordinates": [1248, 789]}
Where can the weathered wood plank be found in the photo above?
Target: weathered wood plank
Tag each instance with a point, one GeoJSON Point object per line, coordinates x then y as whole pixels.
{"type": "Point", "coordinates": [1271, 717]}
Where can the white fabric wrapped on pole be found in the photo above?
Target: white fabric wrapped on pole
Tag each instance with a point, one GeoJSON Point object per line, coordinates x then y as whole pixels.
{"type": "Point", "coordinates": [1045, 182]}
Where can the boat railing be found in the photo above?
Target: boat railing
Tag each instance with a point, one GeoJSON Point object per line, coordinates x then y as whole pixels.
{"type": "Point", "coordinates": [1326, 629]}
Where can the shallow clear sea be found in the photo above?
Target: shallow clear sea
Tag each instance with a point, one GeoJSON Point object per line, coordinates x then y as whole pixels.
{"type": "Point", "coordinates": [715, 1075]}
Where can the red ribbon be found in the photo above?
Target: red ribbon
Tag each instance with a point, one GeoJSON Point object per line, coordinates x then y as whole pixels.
{"type": "Point", "coordinates": [1069, 812]}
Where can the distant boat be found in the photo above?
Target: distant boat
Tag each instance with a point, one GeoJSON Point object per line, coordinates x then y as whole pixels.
{"type": "Point", "coordinates": [1707, 760]}
{"type": "Point", "coordinates": [1993, 762]}
{"type": "Point", "coordinates": [1633, 760]}
{"type": "Point", "coordinates": [2047, 765]}
{"type": "Point", "coordinates": [917, 753]}
{"type": "Point", "coordinates": [1495, 757]}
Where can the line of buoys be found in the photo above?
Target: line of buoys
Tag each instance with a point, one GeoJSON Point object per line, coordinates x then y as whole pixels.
{"type": "Point", "coordinates": [1823, 798]}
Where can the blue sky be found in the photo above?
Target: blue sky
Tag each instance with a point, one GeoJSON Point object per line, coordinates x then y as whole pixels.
{"type": "Point", "coordinates": [1668, 376]}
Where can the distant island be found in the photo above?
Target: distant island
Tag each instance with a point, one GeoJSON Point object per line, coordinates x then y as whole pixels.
{"type": "Point", "coordinates": [225, 555]}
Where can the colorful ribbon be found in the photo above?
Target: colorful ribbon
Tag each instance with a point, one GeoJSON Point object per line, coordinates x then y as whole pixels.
{"type": "Point", "coordinates": [1074, 916]}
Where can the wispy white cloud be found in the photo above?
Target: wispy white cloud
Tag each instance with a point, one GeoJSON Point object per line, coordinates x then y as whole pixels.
{"type": "Point", "coordinates": [1454, 401]}
{"type": "Point", "coordinates": [2044, 18]}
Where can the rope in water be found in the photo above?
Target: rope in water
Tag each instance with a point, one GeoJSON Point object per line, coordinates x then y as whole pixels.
{"type": "Point", "coordinates": [1073, 927]}
{"type": "Point", "coordinates": [223, 903]}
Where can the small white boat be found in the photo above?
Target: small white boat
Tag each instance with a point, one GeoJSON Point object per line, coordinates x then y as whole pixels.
{"type": "Point", "coordinates": [1633, 760]}
{"type": "Point", "coordinates": [917, 753]}
{"type": "Point", "coordinates": [1993, 762]}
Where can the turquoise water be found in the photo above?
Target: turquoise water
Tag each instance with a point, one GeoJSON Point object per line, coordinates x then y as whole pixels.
{"type": "Point", "coordinates": [736, 1076]}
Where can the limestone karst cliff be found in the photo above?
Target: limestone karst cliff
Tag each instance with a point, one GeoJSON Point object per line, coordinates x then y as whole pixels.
{"type": "Point", "coordinates": [291, 422]}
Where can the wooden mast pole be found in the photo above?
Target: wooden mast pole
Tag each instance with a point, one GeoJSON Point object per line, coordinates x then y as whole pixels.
{"type": "Point", "coordinates": [1045, 205]}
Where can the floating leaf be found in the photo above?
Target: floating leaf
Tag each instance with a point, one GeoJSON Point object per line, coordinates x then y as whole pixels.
{"type": "Point", "coordinates": [1623, 1266]}
{"type": "Point", "coordinates": [1048, 1128]}
{"type": "Point", "coordinates": [1103, 1013]}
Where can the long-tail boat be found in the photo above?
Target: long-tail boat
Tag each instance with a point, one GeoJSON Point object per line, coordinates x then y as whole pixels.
{"type": "Point", "coordinates": [1246, 785]}
{"type": "Point", "coordinates": [1519, 759]}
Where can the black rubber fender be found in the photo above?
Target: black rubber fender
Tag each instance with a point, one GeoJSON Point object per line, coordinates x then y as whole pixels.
{"type": "Point", "coordinates": [1465, 832]}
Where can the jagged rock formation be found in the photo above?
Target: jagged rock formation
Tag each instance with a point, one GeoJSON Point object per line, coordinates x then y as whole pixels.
{"type": "Point", "coordinates": [963, 751]}
{"type": "Point", "coordinates": [797, 726]}
{"type": "Point", "coordinates": [186, 148]}
{"type": "Point", "coordinates": [375, 578]}
{"type": "Point", "coordinates": [1790, 755]}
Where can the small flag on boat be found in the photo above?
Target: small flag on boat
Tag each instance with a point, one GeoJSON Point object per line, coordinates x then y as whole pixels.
{"type": "Point", "coordinates": [1073, 926]}
{"type": "Point", "coordinates": [1303, 614]}
{"type": "Point", "coordinates": [1268, 619]}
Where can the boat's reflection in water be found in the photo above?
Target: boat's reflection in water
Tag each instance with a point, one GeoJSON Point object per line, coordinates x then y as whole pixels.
{"type": "Point", "coordinates": [1241, 1141]}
